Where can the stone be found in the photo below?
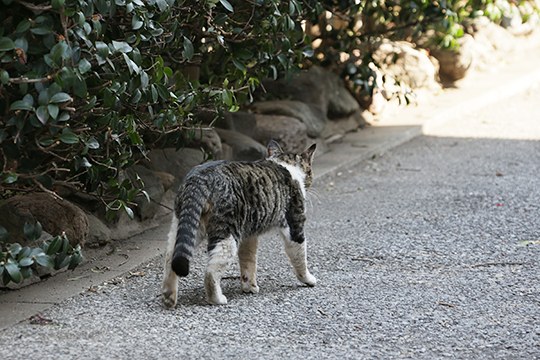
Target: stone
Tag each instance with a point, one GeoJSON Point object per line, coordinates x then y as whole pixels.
{"type": "Point", "coordinates": [344, 125]}
{"type": "Point", "coordinates": [404, 63]}
{"type": "Point", "coordinates": [176, 162]}
{"type": "Point", "coordinates": [317, 87]}
{"type": "Point", "coordinates": [99, 234]}
{"type": "Point", "coordinates": [153, 186]}
{"type": "Point", "coordinates": [55, 215]}
{"type": "Point", "coordinates": [454, 64]}
{"type": "Point", "coordinates": [241, 122]}
{"type": "Point", "coordinates": [241, 146]}
{"type": "Point", "coordinates": [289, 132]}
{"type": "Point", "coordinates": [493, 34]}
{"type": "Point", "coordinates": [311, 116]}
{"type": "Point", "coordinates": [209, 139]}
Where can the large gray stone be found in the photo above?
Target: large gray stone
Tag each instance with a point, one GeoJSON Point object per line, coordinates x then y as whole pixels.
{"type": "Point", "coordinates": [55, 215]}
{"type": "Point", "coordinates": [338, 127]}
{"type": "Point", "coordinates": [99, 233]}
{"type": "Point", "coordinates": [176, 162]}
{"type": "Point", "coordinates": [153, 186]}
{"type": "Point", "coordinates": [311, 116]}
{"type": "Point", "coordinates": [291, 133]}
{"type": "Point", "coordinates": [240, 146]}
{"type": "Point", "coordinates": [318, 87]}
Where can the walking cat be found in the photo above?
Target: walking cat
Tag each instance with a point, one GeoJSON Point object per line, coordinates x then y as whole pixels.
{"type": "Point", "coordinates": [230, 204]}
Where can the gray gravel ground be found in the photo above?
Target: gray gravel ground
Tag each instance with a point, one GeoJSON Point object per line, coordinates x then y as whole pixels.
{"type": "Point", "coordinates": [421, 254]}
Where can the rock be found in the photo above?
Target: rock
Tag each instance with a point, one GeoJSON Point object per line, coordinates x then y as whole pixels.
{"type": "Point", "coordinates": [176, 162]}
{"type": "Point", "coordinates": [311, 116]}
{"type": "Point", "coordinates": [240, 121]}
{"type": "Point", "coordinates": [55, 215]}
{"type": "Point", "coordinates": [153, 186]}
{"type": "Point", "coordinates": [317, 87]}
{"type": "Point", "coordinates": [99, 233]}
{"type": "Point", "coordinates": [228, 151]}
{"type": "Point", "coordinates": [209, 140]}
{"type": "Point", "coordinates": [455, 63]}
{"type": "Point", "coordinates": [242, 147]}
{"type": "Point", "coordinates": [291, 133]}
{"type": "Point", "coordinates": [495, 35]}
{"type": "Point", "coordinates": [406, 64]}
{"type": "Point", "coordinates": [344, 125]}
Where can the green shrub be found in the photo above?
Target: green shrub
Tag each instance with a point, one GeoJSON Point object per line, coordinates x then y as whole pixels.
{"type": "Point", "coordinates": [18, 263]}
{"type": "Point", "coordinates": [87, 87]}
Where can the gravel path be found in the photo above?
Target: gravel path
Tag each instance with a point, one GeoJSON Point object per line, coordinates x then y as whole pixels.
{"type": "Point", "coordinates": [430, 251]}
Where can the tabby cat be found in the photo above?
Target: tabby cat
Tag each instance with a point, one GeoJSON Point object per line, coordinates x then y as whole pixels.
{"type": "Point", "coordinates": [232, 203]}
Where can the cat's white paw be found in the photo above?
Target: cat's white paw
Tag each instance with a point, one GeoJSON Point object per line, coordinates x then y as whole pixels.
{"type": "Point", "coordinates": [218, 300]}
{"type": "Point", "coordinates": [169, 298]}
{"type": "Point", "coordinates": [308, 279]}
{"type": "Point", "coordinates": [250, 288]}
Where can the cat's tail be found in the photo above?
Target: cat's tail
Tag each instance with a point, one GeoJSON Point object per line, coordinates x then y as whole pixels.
{"type": "Point", "coordinates": [191, 203]}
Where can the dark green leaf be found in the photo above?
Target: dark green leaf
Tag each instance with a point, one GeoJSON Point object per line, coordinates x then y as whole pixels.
{"type": "Point", "coordinates": [189, 51]}
{"type": "Point", "coordinates": [26, 262]}
{"type": "Point", "coordinates": [68, 136]}
{"type": "Point", "coordinates": [92, 143]}
{"type": "Point", "coordinates": [23, 26]}
{"type": "Point", "coordinates": [6, 44]}
{"type": "Point", "coordinates": [227, 5]}
{"type": "Point", "coordinates": [9, 178]}
{"type": "Point", "coordinates": [60, 97]}
{"type": "Point", "coordinates": [84, 66]}
{"type": "Point", "coordinates": [136, 22]}
{"type": "Point", "coordinates": [122, 46]}
{"type": "Point", "coordinates": [26, 272]}
{"type": "Point", "coordinates": [53, 110]}
{"type": "Point", "coordinates": [75, 260]}
{"type": "Point", "coordinates": [20, 105]}
{"type": "Point", "coordinates": [4, 77]}
{"type": "Point", "coordinates": [42, 114]}
{"type": "Point", "coordinates": [239, 65]}
{"type": "Point", "coordinates": [4, 235]}
{"type": "Point", "coordinates": [14, 249]}
{"type": "Point", "coordinates": [13, 270]}
{"type": "Point", "coordinates": [29, 231]}
{"type": "Point", "coordinates": [61, 261]}
{"type": "Point", "coordinates": [57, 4]}
{"type": "Point", "coordinates": [44, 260]}
{"type": "Point", "coordinates": [132, 66]}
{"type": "Point", "coordinates": [54, 245]}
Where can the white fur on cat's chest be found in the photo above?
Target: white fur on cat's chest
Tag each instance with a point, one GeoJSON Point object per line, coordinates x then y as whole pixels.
{"type": "Point", "coordinates": [297, 174]}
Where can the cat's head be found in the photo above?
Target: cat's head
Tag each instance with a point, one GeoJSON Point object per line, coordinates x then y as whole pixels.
{"type": "Point", "coordinates": [301, 161]}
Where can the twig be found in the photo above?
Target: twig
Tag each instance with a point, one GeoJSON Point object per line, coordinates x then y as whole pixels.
{"type": "Point", "coordinates": [43, 188]}
{"type": "Point", "coordinates": [25, 80]}
{"type": "Point", "coordinates": [35, 7]}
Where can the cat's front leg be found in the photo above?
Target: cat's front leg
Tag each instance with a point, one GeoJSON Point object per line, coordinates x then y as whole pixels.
{"type": "Point", "coordinates": [169, 286]}
{"type": "Point", "coordinates": [247, 256]}
{"type": "Point", "coordinates": [220, 253]}
{"type": "Point", "coordinates": [295, 247]}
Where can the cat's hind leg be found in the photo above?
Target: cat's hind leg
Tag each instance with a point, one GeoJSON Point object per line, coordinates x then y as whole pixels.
{"type": "Point", "coordinates": [220, 253]}
{"type": "Point", "coordinates": [247, 256]}
{"type": "Point", "coordinates": [296, 251]}
{"type": "Point", "coordinates": [169, 286]}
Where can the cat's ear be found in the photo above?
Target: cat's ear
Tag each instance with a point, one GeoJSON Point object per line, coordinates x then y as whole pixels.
{"type": "Point", "coordinates": [273, 148]}
{"type": "Point", "coordinates": [309, 152]}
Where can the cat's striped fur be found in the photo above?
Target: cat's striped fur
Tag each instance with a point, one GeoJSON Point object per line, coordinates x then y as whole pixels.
{"type": "Point", "coordinates": [230, 204]}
